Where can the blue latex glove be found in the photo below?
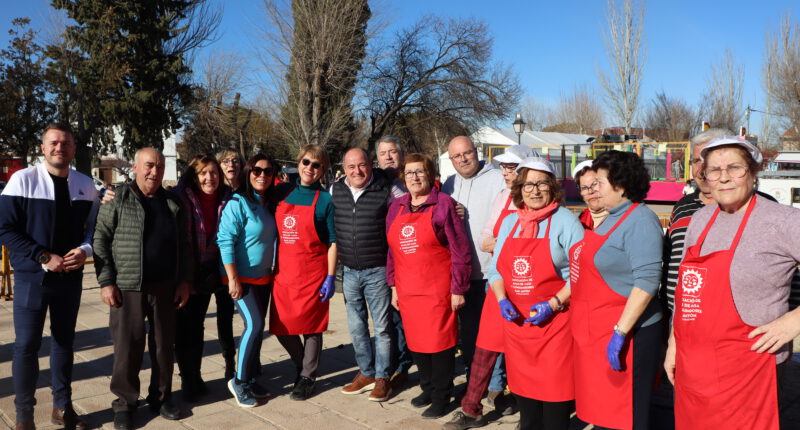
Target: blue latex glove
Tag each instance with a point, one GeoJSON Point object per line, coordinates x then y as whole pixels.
{"type": "Point", "coordinates": [613, 349]}
{"type": "Point", "coordinates": [543, 313]}
{"type": "Point", "coordinates": [328, 288]}
{"type": "Point", "coordinates": [507, 310]}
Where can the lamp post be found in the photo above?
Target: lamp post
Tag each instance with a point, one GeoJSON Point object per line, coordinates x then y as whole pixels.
{"type": "Point", "coordinates": [519, 127]}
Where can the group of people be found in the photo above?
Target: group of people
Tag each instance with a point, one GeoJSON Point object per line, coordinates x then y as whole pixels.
{"type": "Point", "coordinates": [564, 310]}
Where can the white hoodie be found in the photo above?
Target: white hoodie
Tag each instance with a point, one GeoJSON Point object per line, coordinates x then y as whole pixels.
{"type": "Point", "coordinates": [476, 194]}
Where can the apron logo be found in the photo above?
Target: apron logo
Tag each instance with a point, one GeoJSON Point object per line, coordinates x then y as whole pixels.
{"type": "Point", "coordinates": [521, 266]}
{"type": "Point", "coordinates": [289, 222]}
{"type": "Point", "coordinates": [408, 231]}
{"type": "Point", "coordinates": [692, 281]}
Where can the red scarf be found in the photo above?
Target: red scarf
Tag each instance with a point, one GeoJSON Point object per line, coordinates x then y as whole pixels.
{"type": "Point", "coordinates": [529, 219]}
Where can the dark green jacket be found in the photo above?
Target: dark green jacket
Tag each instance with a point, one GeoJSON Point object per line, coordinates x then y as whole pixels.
{"type": "Point", "coordinates": [118, 240]}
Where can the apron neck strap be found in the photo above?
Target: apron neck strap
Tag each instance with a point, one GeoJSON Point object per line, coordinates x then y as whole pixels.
{"type": "Point", "coordinates": [739, 232]}
{"type": "Point", "coordinates": [624, 216]}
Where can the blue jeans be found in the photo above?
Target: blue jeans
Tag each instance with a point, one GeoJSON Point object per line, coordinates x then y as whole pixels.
{"type": "Point", "coordinates": [401, 356]}
{"type": "Point", "coordinates": [367, 289]}
{"type": "Point", "coordinates": [498, 381]}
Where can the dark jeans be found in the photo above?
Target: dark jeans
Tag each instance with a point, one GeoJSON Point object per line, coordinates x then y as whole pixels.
{"type": "Point", "coordinates": [538, 415]}
{"type": "Point", "coordinates": [401, 356]}
{"type": "Point", "coordinates": [32, 300]}
{"type": "Point", "coordinates": [469, 318]}
{"type": "Point", "coordinates": [190, 327]}
{"type": "Point", "coordinates": [436, 374]}
{"type": "Point", "coordinates": [156, 304]}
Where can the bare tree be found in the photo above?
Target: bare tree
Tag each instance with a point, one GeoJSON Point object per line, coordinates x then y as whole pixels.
{"type": "Point", "coordinates": [316, 48]}
{"type": "Point", "coordinates": [439, 72]}
{"type": "Point", "coordinates": [768, 135]}
{"type": "Point", "coordinates": [671, 119]}
{"type": "Point", "coordinates": [579, 112]}
{"type": "Point", "coordinates": [536, 114]}
{"type": "Point", "coordinates": [783, 82]}
{"type": "Point", "coordinates": [626, 55]}
{"type": "Point", "coordinates": [722, 101]}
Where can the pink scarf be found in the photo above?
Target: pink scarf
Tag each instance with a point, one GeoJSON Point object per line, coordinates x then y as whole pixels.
{"type": "Point", "coordinates": [529, 219]}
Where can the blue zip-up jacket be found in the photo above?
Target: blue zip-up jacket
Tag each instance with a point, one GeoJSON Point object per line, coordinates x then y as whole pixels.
{"type": "Point", "coordinates": [246, 237]}
{"type": "Point", "coordinates": [27, 217]}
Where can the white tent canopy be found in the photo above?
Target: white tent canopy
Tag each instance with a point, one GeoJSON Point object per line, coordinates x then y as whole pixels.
{"type": "Point", "coordinates": [493, 141]}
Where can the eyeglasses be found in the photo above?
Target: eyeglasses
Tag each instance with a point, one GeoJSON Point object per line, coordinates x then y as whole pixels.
{"type": "Point", "coordinates": [258, 171]}
{"type": "Point", "coordinates": [314, 164]}
{"type": "Point", "coordinates": [418, 173]}
{"type": "Point", "coordinates": [509, 167]}
{"type": "Point", "coordinates": [463, 155]}
{"type": "Point", "coordinates": [735, 171]}
{"type": "Point", "coordinates": [590, 188]}
{"type": "Point", "coordinates": [230, 161]}
{"type": "Point", "coordinates": [541, 186]}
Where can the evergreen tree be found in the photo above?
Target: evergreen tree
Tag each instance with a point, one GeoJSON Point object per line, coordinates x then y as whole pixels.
{"type": "Point", "coordinates": [24, 111]}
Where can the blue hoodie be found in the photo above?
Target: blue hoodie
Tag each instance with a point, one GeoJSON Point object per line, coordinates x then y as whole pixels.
{"type": "Point", "coordinates": [246, 237]}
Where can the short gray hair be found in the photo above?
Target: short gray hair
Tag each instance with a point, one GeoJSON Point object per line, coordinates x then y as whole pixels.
{"type": "Point", "coordinates": [708, 136]}
{"type": "Point", "coordinates": [390, 139]}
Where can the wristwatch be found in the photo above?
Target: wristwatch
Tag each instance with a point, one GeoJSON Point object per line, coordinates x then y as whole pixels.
{"type": "Point", "coordinates": [44, 258]}
{"type": "Point", "coordinates": [618, 331]}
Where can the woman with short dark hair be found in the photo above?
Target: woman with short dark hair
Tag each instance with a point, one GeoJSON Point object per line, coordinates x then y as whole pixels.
{"type": "Point", "coordinates": [617, 327]}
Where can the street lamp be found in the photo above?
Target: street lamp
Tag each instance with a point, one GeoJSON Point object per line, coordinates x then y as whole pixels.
{"type": "Point", "coordinates": [519, 127]}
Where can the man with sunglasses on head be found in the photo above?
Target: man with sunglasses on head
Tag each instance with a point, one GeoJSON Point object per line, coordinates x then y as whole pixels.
{"type": "Point", "coordinates": [474, 186]}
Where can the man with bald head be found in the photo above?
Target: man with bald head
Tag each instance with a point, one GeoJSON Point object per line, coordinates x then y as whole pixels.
{"type": "Point", "coordinates": [143, 267]}
{"type": "Point", "coordinates": [360, 200]}
{"type": "Point", "coordinates": [474, 186]}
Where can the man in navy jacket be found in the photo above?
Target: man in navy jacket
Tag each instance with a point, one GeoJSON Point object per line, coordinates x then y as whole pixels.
{"type": "Point", "coordinates": [47, 215]}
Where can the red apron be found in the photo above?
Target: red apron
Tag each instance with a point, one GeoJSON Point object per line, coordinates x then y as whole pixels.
{"type": "Point", "coordinates": [719, 382]}
{"type": "Point", "coordinates": [490, 332]}
{"type": "Point", "coordinates": [422, 278]}
{"type": "Point", "coordinates": [302, 267]}
{"type": "Point", "coordinates": [603, 396]}
{"type": "Point", "coordinates": [538, 358]}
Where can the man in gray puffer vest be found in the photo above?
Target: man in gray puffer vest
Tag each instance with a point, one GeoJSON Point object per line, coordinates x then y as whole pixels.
{"type": "Point", "coordinates": [141, 255]}
{"type": "Point", "coordinates": [361, 200]}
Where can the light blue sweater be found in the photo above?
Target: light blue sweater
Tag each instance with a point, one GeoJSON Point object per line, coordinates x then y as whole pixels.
{"type": "Point", "coordinates": [246, 237]}
{"type": "Point", "coordinates": [565, 232]}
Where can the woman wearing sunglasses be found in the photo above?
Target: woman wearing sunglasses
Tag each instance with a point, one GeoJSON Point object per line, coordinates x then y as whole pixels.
{"type": "Point", "coordinates": [246, 239]}
{"type": "Point", "coordinates": [306, 267]}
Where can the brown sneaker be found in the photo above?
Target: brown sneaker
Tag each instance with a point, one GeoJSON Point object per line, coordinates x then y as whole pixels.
{"type": "Point", "coordinates": [382, 390]}
{"type": "Point", "coordinates": [359, 385]}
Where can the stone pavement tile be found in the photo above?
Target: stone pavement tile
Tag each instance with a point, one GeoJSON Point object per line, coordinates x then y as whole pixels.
{"type": "Point", "coordinates": [285, 412]}
{"type": "Point", "coordinates": [237, 419]}
{"type": "Point", "coordinates": [326, 421]}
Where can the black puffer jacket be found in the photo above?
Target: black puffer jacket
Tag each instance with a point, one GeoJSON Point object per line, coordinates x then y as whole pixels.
{"type": "Point", "coordinates": [361, 225]}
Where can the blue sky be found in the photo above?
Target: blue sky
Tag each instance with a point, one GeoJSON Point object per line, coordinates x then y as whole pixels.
{"type": "Point", "coordinates": [556, 45]}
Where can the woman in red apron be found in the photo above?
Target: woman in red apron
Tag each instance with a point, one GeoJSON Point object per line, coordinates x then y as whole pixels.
{"type": "Point", "coordinates": [528, 279]}
{"type": "Point", "coordinates": [488, 368]}
{"type": "Point", "coordinates": [306, 267]}
{"type": "Point", "coordinates": [617, 327]}
{"type": "Point", "coordinates": [725, 344]}
{"type": "Point", "coordinates": [595, 213]}
{"type": "Point", "coordinates": [428, 268]}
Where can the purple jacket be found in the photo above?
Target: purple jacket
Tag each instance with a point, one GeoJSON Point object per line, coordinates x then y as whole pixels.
{"type": "Point", "coordinates": [449, 230]}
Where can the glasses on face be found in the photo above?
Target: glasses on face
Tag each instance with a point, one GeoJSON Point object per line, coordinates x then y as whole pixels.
{"type": "Point", "coordinates": [412, 173]}
{"type": "Point", "coordinates": [463, 155]}
{"type": "Point", "coordinates": [528, 187]}
{"type": "Point", "coordinates": [509, 167]}
{"type": "Point", "coordinates": [314, 164]}
{"type": "Point", "coordinates": [735, 171]}
{"type": "Point", "coordinates": [230, 161]}
{"type": "Point", "coordinates": [258, 171]}
{"type": "Point", "coordinates": [588, 189]}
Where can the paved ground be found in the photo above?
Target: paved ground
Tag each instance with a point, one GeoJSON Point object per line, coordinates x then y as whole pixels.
{"type": "Point", "coordinates": [328, 409]}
